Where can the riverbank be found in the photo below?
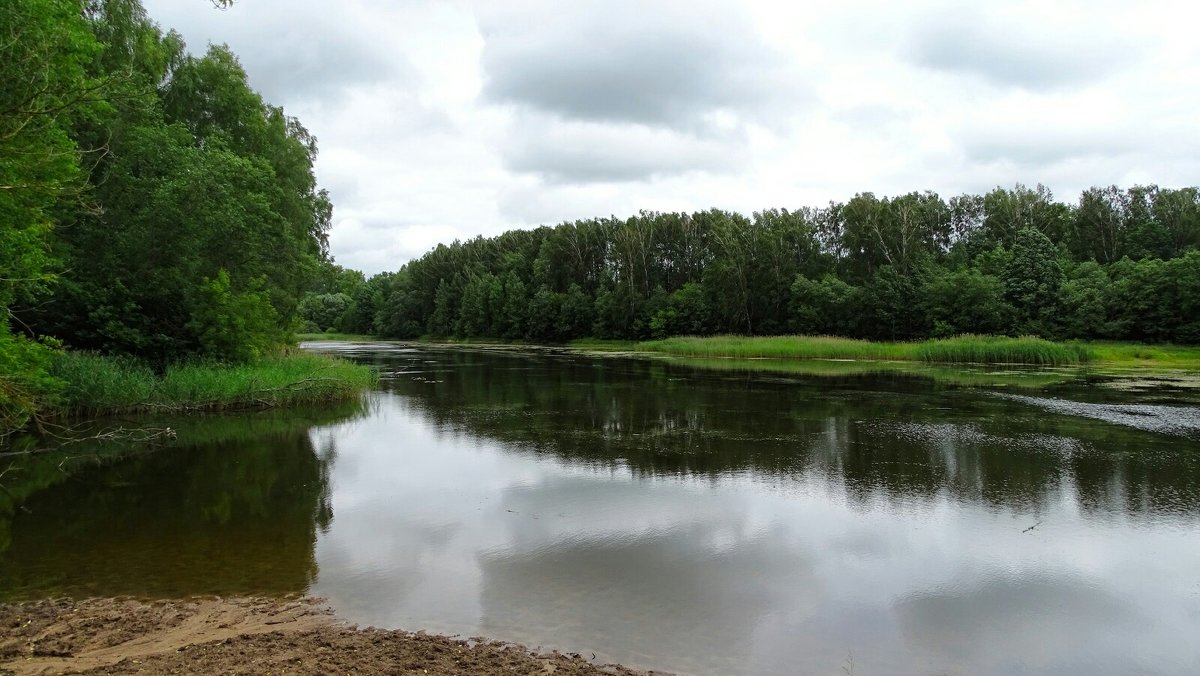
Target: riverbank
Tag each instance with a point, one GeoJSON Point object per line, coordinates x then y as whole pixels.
{"type": "Point", "coordinates": [102, 385]}
{"type": "Point", "coordinates": [245, 636]}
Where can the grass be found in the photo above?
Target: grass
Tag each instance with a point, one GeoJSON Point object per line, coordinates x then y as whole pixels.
{"type": "Point", "coordinates": [1003, 350]}
{"type": "Point", "coordinates": [334, 336]}
{"type": "Point", "coordinates": [780, 347]}
{"type": "Point", "coordinates": [957, 350]}
{"type": "Point", "coordinates": [1133, 354]}
{"type": "Point", "coordinates": [97, 384]}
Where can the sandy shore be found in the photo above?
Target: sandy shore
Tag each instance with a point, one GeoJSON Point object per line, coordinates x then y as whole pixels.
{"type": "Point", "coordinates": [244, 636]}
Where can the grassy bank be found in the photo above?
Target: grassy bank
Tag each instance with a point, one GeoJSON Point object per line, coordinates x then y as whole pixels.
{"type": "Point", "coordinates": [332, 336]}
{"type": "Point", "coordinates": [97, 384]}
{"type": "Point", "coordinates": [958, 350]}
{"type": "Point", "coordinates": [1133, 354]}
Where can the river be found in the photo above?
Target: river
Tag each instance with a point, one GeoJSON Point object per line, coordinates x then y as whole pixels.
{"type": "Point", "coordinates": [666, 516]}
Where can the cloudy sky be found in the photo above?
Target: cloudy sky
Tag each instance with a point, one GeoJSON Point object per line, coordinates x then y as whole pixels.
{"type": "Point", "coordinates": [445, 120]}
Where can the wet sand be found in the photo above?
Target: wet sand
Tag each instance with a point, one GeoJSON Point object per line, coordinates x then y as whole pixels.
{"type": "Point", "coordinates": [245, 636]}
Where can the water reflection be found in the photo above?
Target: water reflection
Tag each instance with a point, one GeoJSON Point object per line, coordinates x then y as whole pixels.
{"type": "Point", "coordinates": [233, 507]}
{"type": "Point", "coordinates": [895, 437]}
{"type": "Point", "coordinates": [1040, 622]}
{"type": "Point", "coordinates": [714, 523]}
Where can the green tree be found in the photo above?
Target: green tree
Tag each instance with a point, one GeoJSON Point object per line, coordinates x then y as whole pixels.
{"type": "Point", "coordinates": [200, 176]}
{"type": "Point", "coordinates": [232, 325]}
{"type": "Point", "coordinates": [965, 301]}
{"type": "Point", "coordinates": [1084, 301]}
{"type": "Point", "coordinates": [44, 48]}
{"type": "Point", "coordinates": [1032, 279]}
{"type": "Point", "coordinates": [827, 306]}
{"type": "Point", "coordinates": [325, 310]}
{"type": "Point", "coordinates": [890, 306]}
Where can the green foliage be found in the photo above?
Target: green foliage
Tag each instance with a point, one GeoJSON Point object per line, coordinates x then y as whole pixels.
{"type": "Point", "coordinates": [26, 387]}
{"type": "Point", "coordinates": [829, 306]}
{"type": "Point", "coordinates": [1032, 279]}
{"type": "Point", "coordinates": [44, 46]}
{"type": "Point", "coordinates": [205, 194]}
{"type": "Point", "coordinates": [325, 310]}
{"type": "Point", "coordinates": [1085, 299]}
{"type": "Point", "coordinates": [45, 49]}
{"type": "Point", "coordinates": [780, 347]}
{"type": "Point", "coordinates": [1157, 301]}
{"type": "Point", "coordinates": [1001, 350]}
{"type": "Point", "coordinates": [965, 301]}
{"type": "Point", "coordinates": [686, 313]}
{"type": "Point", "coordinates": [99, 384]}
{"type": "Point", "coordinates": [235, 326]}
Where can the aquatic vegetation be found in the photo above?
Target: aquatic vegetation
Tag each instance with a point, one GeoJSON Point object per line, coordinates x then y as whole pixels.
{"type": "Point", "coordinates": [1002, 350]}
{"type": "Point", "coordinates": [959, 350]}
{"type": "Point", "coordinates": [110, 384]}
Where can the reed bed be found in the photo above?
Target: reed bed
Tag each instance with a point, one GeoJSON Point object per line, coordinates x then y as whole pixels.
{"type": "Point", "coordinates": [1002, 350]}
{"type": "Point", "coordinates": [98, 384]}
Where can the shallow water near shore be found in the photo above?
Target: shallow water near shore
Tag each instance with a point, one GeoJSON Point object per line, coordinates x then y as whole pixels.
{"type": "Point", "coordinates": [665, 515]}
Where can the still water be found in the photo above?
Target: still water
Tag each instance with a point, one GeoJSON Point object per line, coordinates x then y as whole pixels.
{"type": "Point", "coordinates": [668, 517]}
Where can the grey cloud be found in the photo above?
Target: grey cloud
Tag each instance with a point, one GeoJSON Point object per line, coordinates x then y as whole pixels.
{"type": "Point", "coordinates": [319, 66]}
{"type": "Point", "coordinates": [596, 153]}
{"type": "Point", "coordinates": [1032, 147]}
{"type": "Point", "coordinates": [656, 64]}
{"type": "Point", "coordinates": [312, 51]}
{"type": "Point", "coordinates": [1022, 54]}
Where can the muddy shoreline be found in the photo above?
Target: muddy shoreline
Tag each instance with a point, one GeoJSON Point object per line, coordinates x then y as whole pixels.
{"type": "Point", "coordinates": [245, 636]}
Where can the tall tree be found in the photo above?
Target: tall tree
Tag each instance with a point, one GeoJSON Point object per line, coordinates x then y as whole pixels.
{"type": "Point", "coordinates": [1032, 279]}
{"type": "Point", "coordinates": [44, 48]}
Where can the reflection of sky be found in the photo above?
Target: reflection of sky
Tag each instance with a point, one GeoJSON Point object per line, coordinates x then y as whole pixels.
{"type": "Point", "coordinates": [435, 529]}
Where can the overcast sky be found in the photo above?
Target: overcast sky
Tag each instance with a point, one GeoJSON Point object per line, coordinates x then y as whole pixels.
{"type": "Point", "coordinates": [445, 120]}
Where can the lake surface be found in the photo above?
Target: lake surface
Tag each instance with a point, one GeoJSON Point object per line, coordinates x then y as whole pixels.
{"type": "Point", "coordinates": [664, 516]}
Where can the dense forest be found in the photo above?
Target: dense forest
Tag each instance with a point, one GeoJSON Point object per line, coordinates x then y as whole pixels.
{"type": "Point", "coordinates": [153, 204]}
{"type": "Point", "coordinates": [1117, 264]}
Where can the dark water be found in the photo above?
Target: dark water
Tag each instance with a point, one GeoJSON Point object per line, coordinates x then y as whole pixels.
{"type": "Point", "coordinates": [667, 517]}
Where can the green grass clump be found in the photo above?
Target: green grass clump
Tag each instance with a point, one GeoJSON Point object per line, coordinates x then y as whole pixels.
{"type": "Point", "coordinates": [959, 350]}
{"type": "Point", "coordinates": [98, 384]}
{"type": "Point", "coordinates": [1002, 350]}
{"type": "Point", "coordinates": [780, 347]}
{"type": "Point", "coordinates": [1174, 356]}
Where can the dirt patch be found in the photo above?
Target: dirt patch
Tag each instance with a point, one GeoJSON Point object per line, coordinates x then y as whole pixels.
{"type": "Point", "coordinates": [244, 636]}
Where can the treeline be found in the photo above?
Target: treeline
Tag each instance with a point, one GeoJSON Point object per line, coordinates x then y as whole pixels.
{"type": "Point", "coordinates": [151, 202]}
{"type": "Point", "coordinates": [1117, 264]}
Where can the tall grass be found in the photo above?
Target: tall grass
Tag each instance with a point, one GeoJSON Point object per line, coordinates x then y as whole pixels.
{"type": "Point", "coordinates": [958, 350]}
{"type": "Point", "coordinates": [101, 384]}
{"type": "Point", "coordinates": [1002, 350]}
{"type": "Point", "coordinates": [780, 347]}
